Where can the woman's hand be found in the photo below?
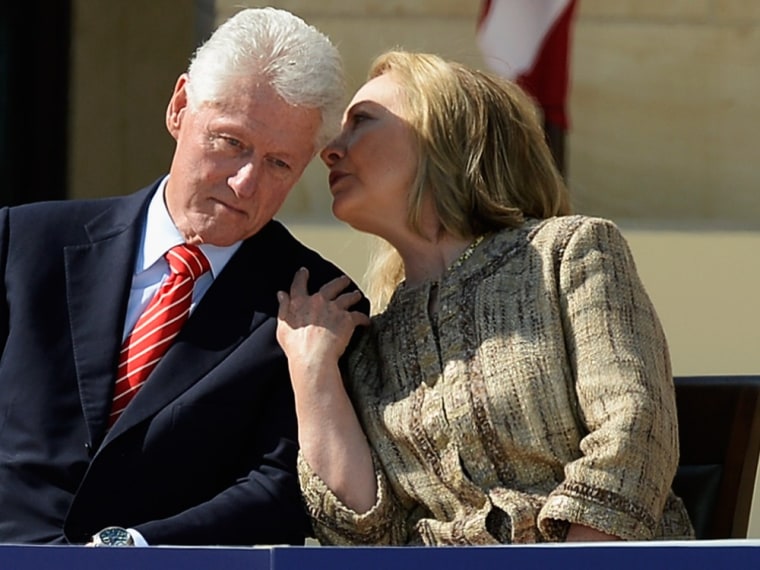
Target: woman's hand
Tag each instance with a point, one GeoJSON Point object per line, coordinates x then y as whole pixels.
{"type": "Point", "coordinates": [314, 331]}
{"type": "Point", "coordinates": [317, 328]}
{"type": "Point", "coordinates": [582, 533]}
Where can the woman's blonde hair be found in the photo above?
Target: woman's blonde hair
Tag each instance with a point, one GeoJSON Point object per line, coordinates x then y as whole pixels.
{"type": "Point", "coordinates": [482, 158]}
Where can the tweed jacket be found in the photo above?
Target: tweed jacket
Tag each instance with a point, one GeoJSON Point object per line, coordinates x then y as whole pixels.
{"type": "Point", "coordinates": [539, 394]}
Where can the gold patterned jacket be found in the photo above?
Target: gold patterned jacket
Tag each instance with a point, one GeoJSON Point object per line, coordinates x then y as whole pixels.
{"type": "Point", "coordinates": [539, 394]}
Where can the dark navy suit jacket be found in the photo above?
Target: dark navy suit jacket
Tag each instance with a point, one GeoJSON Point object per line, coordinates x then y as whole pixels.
{"type": "Point", "coordinates": [206, 452]}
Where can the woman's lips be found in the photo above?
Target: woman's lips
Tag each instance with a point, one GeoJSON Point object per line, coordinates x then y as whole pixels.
{"type": "Point", "coordinates": [336, 176]}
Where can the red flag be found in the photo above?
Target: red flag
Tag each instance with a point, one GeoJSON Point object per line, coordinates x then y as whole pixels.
{"type": "Point", "coordinates": [528, 41]}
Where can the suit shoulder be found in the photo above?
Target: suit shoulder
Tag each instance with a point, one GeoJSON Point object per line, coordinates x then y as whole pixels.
{"type": "Point", "coordinates": [57, 211]}
{"type": "Point", "coordinates": [291, 253]}
{"type": "Point", "coordinates": [68, 221]}
{"type": "Point", "coordinates": [275, 248]}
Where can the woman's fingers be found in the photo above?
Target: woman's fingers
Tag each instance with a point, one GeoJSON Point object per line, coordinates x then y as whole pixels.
{"type": "Point", "coordinates": [332, 289]}
{"type": "Point", "coordinates": [348, 299]}
{"type": "Point", "coordinates": [360, 319]}
{"type": "Point", "coordinates": [300, 307]}
{"type": "Point", "coordinates": [284, 299]}
{"type": "Point", "coordinates": [300, 279]}
{"type": "Point", "coordinates": [318, 324]}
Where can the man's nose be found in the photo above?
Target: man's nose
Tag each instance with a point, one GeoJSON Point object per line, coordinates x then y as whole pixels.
{"type": "Point", "coordinates": [244, 181]}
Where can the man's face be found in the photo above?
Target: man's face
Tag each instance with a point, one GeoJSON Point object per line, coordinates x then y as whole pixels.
{"type": "Point", "coordinates": [235, 160]}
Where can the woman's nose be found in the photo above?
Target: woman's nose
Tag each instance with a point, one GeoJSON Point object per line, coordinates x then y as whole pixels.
{"type": "Point", "coordinates": [332, 152]}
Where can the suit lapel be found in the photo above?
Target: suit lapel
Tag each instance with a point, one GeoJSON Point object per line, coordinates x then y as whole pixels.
{"type": "Point", "coordinates": [235, 304]}
{"type": "Point", "coordinates": [98, 278]}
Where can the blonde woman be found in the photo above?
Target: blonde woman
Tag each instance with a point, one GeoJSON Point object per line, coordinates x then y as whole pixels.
{"type": "Point", "coordinates": [514, 383]}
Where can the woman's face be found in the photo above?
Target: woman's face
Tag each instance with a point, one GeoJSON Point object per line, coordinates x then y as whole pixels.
{"type": "Point", "coordinates": [373, 160]}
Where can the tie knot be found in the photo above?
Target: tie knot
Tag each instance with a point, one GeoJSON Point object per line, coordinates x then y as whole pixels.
{"type": "Point", "coordinates": [187, 260]}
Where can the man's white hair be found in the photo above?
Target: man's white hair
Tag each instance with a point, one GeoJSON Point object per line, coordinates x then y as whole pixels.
{"type": "Point", "coordinates": [298, 61]}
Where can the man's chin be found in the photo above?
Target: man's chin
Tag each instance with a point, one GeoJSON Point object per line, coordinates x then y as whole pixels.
{"type": "Point", "coordinates": [224, 240]}
{"type": "Point", "coordinates": [218, 233]}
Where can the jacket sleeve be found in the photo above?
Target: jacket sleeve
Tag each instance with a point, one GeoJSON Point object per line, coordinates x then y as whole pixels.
{"type": "Point", "coordinates": [336, 524]}
{"type": "Point", "coordinates": [623, 383]}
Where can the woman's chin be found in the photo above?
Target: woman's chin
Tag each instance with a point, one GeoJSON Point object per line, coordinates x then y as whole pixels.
{"type": "Point", "coordinates": [339, 211]}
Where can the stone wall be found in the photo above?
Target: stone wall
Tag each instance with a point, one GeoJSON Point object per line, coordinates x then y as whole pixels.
{"type": "Point", "coordinates": [665, 110]}
{"type": "Point", "coordinates": [125, 59]}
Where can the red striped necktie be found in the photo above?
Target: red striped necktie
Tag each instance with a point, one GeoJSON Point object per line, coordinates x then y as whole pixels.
{"type": "Point", "coordinates": [157, 326]}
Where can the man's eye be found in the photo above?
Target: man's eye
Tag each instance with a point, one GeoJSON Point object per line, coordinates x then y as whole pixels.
{"type": "Point", "coordinates": [279, 163]}
{"type": "Point", "coordinates": [232, 142]}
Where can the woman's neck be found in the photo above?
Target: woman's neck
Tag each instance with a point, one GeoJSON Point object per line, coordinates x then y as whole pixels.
{"type": "Point", "coordinates": [427, 260]}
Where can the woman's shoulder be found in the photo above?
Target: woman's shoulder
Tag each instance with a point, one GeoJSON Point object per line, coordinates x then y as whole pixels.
{"type": "Point", "coordinates": [561, 226]}
{"type": "Point", "coordinates": [573, 231]}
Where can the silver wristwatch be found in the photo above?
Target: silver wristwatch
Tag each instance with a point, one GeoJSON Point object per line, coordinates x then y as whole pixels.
{"type": "Point", "coordinates": [113, 536]}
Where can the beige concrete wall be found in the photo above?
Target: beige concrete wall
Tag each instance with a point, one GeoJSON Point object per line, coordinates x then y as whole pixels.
{"type": "Point", "coordinates": [663, 96]}
{"type": "Point", "coordinates": [665, 109]}
{"type": "Point", "coordinates": [125, 58]}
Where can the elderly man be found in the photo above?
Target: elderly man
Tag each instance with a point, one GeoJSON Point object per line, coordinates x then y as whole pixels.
{"type": "Point", "coordinates": [143, 396]}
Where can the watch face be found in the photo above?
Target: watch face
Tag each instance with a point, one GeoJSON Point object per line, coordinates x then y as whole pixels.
{"type": "Point", "coordinates": [115, 536]}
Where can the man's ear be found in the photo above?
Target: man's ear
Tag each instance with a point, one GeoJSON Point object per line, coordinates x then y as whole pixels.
{"type": "Point", "coordinates": [177, 106]}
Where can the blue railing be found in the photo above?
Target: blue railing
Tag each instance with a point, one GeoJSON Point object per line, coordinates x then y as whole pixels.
{"type": "Point", "coordinates": [733, 554]}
